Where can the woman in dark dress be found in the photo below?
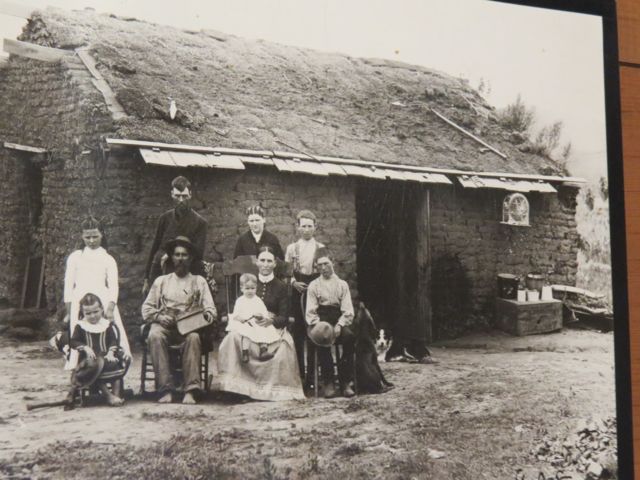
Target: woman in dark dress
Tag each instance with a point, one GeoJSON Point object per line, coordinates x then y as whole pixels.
{"type": "Point", "coordinates": [250, 243]}
{"type": "Point", "coordinates": [263, 377]}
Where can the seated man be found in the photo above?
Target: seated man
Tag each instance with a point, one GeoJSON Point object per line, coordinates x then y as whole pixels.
{"type": "Point", "coordinates": [329, 300]}
{"type": "Point", "coordinates": [169, 296]}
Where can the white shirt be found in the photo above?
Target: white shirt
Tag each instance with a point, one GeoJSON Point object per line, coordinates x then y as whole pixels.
{"type": "Point", "coordinates": [331, 291]}
{"type": "Point", "coordinates": [305, 251]}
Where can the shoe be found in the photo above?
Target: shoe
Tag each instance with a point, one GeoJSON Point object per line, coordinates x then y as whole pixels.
{"type": "Point", "coordinates": [348, 391]}
{"type": "Point", "coordinates": [328, 390]}
{"type": "Point", "coordinates": [428, 360]}
{"type": "Point", "coordinates": [265, 355]}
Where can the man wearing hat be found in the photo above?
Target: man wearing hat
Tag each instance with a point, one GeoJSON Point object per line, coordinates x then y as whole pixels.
{"type": "Point", "coordinates": [181, 220]}
{"type": "Point", "coordinates": [329, 314]}
{"type": "Point", "coordinates": [169, 296]}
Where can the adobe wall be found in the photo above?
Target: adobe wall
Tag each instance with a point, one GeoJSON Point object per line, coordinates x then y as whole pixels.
{"type": "Point", "coordinates": [56, 107]}
{"type": "Point", "coordinates": [470, 247]}
{"type": "Point", "coordinates": [136, 194]}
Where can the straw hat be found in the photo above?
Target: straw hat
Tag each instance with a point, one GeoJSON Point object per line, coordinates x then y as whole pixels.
{"type": "Point", "coordinates": [322, 334]}
{"type": "Point", "coordinates": [87, 372]}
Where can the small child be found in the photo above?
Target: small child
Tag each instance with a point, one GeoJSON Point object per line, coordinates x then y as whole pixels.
{"type": "Point", "coordinates": [249, 308]}
{"type": "Point", "coordinates": [96, 340]}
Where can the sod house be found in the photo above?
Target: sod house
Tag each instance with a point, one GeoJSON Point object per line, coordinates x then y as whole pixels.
{"type": "Point", "coordinates": [422, 196]}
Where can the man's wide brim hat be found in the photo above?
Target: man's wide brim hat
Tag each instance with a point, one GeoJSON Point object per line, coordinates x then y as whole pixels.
{"type": "Point", "coordinates": [181, 241]}
{"type": "Point", "coordinates": [87, 372]}
{"type": "Point", "coordinates": [322, 334]}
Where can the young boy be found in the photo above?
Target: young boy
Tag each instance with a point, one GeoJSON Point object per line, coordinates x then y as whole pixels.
{"type": "Point", "coordinates": [302, 254]}
{"type": "Point", "coordinates": [248, 308]}
{"type": "Point", "coordinates": [100, 357]}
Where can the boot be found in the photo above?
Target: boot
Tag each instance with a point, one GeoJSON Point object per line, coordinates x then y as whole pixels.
{"type": "Point", "coordinates": [348, 391]}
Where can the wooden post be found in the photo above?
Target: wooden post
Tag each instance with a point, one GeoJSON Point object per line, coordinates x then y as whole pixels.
{"type": "Point", "coordinates": [25, 282]}
{"type": "Point", "coordinates": [423, 261]}
{"type": "Point", "coordinates": [40, 285]}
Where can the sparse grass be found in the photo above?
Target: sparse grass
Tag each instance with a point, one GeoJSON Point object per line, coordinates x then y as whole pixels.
{"type": "Point", "coordinates": [484, 412]}
{"type": "Point", "coordinates": [173, 415]}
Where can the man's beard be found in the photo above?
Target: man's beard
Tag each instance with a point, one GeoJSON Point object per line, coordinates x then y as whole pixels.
{"type": "Point", "coordinates": [182, 208]}
{"type": "Point", "coordinates": [181, 268]}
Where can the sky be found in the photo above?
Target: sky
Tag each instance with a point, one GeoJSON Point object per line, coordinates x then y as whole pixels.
{"type": "Point", "coordinates": [552, 59]}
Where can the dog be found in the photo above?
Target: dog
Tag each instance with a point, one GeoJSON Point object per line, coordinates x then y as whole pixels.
{"type": "Point", "coordinates": [368, 373]}
{"type": "Point", "coordinates": [382, 345]}
{"type": "Point", "coordinates": [408, 351]}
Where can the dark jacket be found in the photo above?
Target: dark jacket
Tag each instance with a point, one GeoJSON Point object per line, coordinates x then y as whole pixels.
{"type": "Point", "coordinates": [190, 225]}
{"type": "Point", "coordinates": [247, 245]}
{"type": "Point", "coordinates": [275, 298]}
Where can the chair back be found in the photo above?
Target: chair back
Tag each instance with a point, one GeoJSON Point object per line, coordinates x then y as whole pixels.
{"type": "Point", "coordinates": [283, 269]}
{"type": "Point", "coordinates": [232, 269]}
{"type": "Point", "coordinates": [240, 265]}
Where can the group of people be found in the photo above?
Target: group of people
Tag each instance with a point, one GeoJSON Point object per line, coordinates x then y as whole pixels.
{"type": "Point", "coordinates": [262, 355]}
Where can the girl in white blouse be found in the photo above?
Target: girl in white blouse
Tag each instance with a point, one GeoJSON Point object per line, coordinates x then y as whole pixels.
{"type": "Point", "coordinates": [92, 270]}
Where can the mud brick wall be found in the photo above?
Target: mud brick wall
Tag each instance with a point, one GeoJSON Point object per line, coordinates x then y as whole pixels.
{"type": "Point", "coordinates": [56, 107]}
{"type": "Point", "coordinates": [136, 194]}
{"type": "Point", "coordinates": [470, 247]}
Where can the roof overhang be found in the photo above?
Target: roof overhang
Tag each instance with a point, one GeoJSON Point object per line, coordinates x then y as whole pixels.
{"type": "Point", "coordinates": [510, 184]}
{"type": "Point", "coordinates": [178, 155]}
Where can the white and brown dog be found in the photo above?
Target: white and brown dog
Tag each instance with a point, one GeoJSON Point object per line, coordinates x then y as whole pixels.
{"type": "Point", "coordinates": [369, 375]}
{"type": "Point", "coordinates": [383, 343]}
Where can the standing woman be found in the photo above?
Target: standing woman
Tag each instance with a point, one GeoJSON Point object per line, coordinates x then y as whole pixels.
{"type": "Point", "coordinates": [263, 375]}
{"type": "Point", "coordinates": [92, 270]}
{"type": "Point", "coordinates": [250, 243]}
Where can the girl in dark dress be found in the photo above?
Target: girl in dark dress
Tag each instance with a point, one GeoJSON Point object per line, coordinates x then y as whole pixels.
{"type": "Point", "coordinates": [250, 243]}
{"type": "Point", "coordinates": [96, 339]}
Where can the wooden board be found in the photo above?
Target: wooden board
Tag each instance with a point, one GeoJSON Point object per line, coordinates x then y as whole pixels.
{"type": "Point", "coordinates": [423, 260]}
{"type": "Point", "coordinates": [33, 282]}
{"type": "Point", "coordinates": [629, 54]}
{"type": "Point", "coordinates": [36, 52]}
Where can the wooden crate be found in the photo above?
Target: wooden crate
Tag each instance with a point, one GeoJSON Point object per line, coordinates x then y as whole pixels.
{"type": "Point", "coordinates": [528, 318]}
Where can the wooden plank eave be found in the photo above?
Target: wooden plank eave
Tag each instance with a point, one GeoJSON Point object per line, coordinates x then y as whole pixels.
{"type": "Point", "coordinates": [33, 51]}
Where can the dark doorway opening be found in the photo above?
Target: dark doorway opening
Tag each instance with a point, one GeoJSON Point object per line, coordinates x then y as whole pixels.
{"type": "Point", "coordinates": [387, 242]}
{"type": "Point", "coordinates": [33, 281]}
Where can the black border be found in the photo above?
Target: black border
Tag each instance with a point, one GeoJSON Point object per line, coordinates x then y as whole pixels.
{"type": "Point", "coordinates": [607, 10]}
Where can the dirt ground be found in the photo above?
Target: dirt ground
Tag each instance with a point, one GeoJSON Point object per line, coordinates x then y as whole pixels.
{"type": "Point", "coordinates": [475, 415]}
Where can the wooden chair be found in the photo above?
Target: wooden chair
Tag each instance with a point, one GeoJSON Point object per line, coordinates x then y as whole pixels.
{"type": "Point", "coordinates": [207, 337]}
{"type": "Point", "coordinates": [336, 355]}
{"type": "Point", "coordinates": [232, 269]}
{"type": "Point", "coordinates": [83, 394]}
{"type": "Point", "coordinates": [175, 359]}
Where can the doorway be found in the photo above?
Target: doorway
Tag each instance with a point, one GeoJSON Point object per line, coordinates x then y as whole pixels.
{"type": "Point", "coordinates": [389, 240]}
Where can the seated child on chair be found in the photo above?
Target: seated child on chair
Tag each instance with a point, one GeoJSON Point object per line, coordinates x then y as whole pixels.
{"type": "Point", "coordinates": [248, 308]}
{"type": "Point", "coordinates": [101, 360]}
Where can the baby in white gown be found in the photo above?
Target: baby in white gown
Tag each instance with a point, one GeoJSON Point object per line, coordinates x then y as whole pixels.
{"type": "Point", "coordinates": [247, 309]}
